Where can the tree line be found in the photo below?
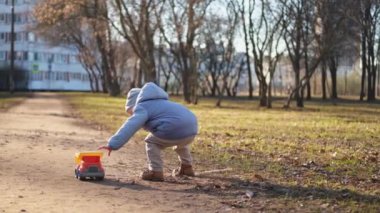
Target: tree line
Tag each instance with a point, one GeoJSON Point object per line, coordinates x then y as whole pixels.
{"type": "Point", "coordinates": [191, 42]}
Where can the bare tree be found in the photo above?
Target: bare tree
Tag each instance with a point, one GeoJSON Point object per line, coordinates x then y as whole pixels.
{"type": "Point", "coordinates": [179, 27]}
{"type": "Point", "coordinates": [79, 23]}
{"type": "Point", "coordinates": [240, 7]}
{"type": "Point", "coordinates": [218, 58]}
{"type": "Point", "coordinates": [295, 12]}
{"type": "Point", "coordinates": [293, 36]}
{"type": "Point", "coordinates": [337, 29]}
{"type": "Point", "coordinates": [366, 14]}
{"type": "Point", "coordinates": [228, 63]}
{"type": "Point", "coordinates": [240, 67]}
{"type": "Point", "coordinates": [264, 24]}
{"type": "Point", "coordinates": [136, 22]}
{"type": "Point", "coordinates": [211, 55]}
{"type": "Point", "coordinates": [167, 66]}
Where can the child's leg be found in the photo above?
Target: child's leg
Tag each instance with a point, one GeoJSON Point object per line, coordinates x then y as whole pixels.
{"type": "Point", "coordinates": [154, 146]}
{"type": "Point", "coordinates": [153, 152]}
{"type": "Point", "coordinates": [184, 154]}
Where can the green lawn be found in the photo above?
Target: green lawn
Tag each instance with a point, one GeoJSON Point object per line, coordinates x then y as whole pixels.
{"type": "Point", "coordinates": [7, 100]}
{"type": "Point", "coordinates": [329, 151]}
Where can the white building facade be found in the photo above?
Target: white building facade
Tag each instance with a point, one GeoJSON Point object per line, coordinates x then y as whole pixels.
{"type": "Point", "coordinates": [45, 67]}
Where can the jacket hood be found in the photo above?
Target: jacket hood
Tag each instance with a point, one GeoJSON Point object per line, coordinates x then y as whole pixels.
{"type": "Point", "coordinates": [151, 91]}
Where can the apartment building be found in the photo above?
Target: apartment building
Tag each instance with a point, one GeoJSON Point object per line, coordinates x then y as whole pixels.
{"type": "Point", "coordinates": [44, 67]}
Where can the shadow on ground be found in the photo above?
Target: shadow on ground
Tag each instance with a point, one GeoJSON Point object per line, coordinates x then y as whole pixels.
{"type": "Point", "coordinates": [232, 187]}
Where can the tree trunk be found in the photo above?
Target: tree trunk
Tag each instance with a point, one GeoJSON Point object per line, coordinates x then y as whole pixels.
{"type": "Point", "coordinates": [104, 86]}
{"type": "Point", "coordinates": [166, 86]}
{"type": "Point", "coordinates": [269, 99]}
{"type": "Point", "coordinates": [308, 88]}
{"type": "Point", "coordinates": [96, 80]}
{"type": "Point", "coordinates": [114, 89]}
{"type": "Point", "coordinates": [301, 99]}
{"type": "Point", "coordinates": [186, 87]}
{"type": "Point", "coordinates": [149, 71]}
{"type": "Point", "coordinates": [374, 83]}
{"type": "Point", "coordinates": [345, 82]}
{"type": "Point", "coordinates": [194, 88]}
{"type": "Point", "coordinates": [333, 72]}
{"type": "Point", "coordinates": [263, 94]}
{"type": "Point", "coordinates": [334, 93]}
{"type": "Point", "coordinates": [308, 91]}
{"type": "Point", "coordinates": [250, 87]}
{"type": "Point", "coordinates": [298, 94]}
{"type": "Point", "coordinates": [139, 77]}
{"type": "Point", "coordinates": [378, 81]}
{"type": "Point", "coordinates": [214, 87]}
{"type": "Point", "coordinates": [324, 77]}
{"type": "Point", "coordinates": [315, 85]}
{"type": "Point", "coordinates": [221, 92]}
{"type": "Point", "coordinates": [91, 79]}
{"type": "Point", "coordinates": [371, 73]}
{"type": "Point", "coordinates": [370, 96]}
{"type": "Point", "coordinates": [364, 66]}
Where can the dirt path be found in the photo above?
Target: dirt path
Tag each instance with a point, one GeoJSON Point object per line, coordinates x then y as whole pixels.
{"type": "Point", "coordinates": [38, 139]}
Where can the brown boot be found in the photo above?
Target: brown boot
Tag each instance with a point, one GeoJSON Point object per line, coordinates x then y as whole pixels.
{"type": "Point", "coordinates": [152, 175]}
{"type": "Point", "coordinates": [185, 170]}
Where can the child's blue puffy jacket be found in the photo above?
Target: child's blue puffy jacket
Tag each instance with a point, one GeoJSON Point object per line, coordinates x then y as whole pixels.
{"type": "Point", "coordinates": [155, 113]}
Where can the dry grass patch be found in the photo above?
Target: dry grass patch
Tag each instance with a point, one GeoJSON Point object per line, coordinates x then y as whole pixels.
{"type": "Point", "coordinates": [327, 152]}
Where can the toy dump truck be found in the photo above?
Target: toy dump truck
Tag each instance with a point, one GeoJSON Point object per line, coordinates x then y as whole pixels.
{"type": "Point", "coordinates": [88, 165]}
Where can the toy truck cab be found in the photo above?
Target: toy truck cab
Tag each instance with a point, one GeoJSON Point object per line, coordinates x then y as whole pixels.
{"type": "Point", "coordinates": [88, 165]}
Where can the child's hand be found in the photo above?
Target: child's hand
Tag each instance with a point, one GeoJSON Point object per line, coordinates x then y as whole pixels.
{"type": "Point", "coordinates": [107, 148]}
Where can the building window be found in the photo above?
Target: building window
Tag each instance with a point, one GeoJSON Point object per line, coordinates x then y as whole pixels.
{"type": "Point", "coordinates": [17, 2]}
{"type": "Point", "coordinates": [75, 76]}
{"type": "Point", "coordinates": [49, 75]}
{"type": "Point", "coordinates": [36, 56]}
{"type": "Point", "coordinates": [2, 37]}
{"type": "Point", "coordinates": [73, 59]}
{"type": "Point", "coordinates": [25, 56]}
{"type": "Point", "coordinates": [19, 55]}
{"type": "Point", "coordinates": [36, 76]}
{"type": "Point", "coordinates": [31, 37]}
{"type": "Point", "coordinates": [18, 18]}
{"type": "Point", "coordinates": [66, 76]}
{"type": "Point", "coordinates": [66, 59]}
{"type": "Point", "coordinates": [2, 18]}
{"type": "Point", "coordinates": [19, 36]}
{"type": "Point", "coordinates": [2, 56]}
{"type": "Point", "coordinates": [30, 56]}
{"type": "Point", "coordinates": [59, 76]}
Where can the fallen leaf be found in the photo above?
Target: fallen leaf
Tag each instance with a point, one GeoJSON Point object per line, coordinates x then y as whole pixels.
{"type": "Point", "coordinates": [372, 159]}
{"type": "Point", "coordinates": [228, 134]}
{"type": "Point", "coordinates": [325, 205]}
{"type": "Point", "coordinates": [249, 194]}
{"type": "Point", "coordinates": [258, 177]}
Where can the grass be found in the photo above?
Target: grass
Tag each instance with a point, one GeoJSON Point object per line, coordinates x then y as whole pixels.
{"type": "Point", "coordinates": [8, 100]}
{"type": "Point", "coordinates": [329, 150]}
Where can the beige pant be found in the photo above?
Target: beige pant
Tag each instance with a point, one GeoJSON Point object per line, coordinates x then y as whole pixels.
{"type": "Point", "coordinates": [154, 145]}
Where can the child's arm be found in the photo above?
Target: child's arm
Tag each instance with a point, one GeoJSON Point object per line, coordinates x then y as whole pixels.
{"type": "Point", "coordinates": [128, 129]}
